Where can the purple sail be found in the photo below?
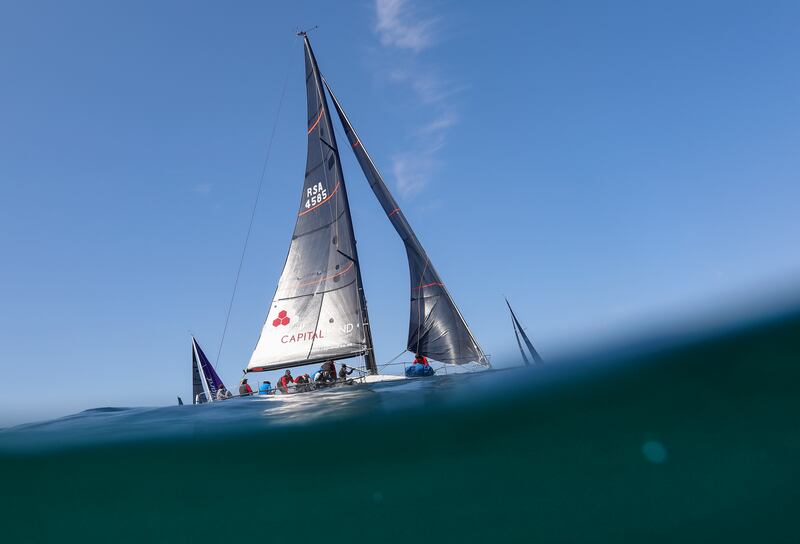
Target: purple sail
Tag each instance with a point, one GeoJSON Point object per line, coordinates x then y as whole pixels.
{"type": "Point", "coordinates": [202, 368]}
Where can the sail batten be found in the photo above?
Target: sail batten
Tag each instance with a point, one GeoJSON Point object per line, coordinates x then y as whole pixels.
{"type": "Point", "coordinates": [436, 327]}
{"type": "Point", "coordinates": [318, 311]}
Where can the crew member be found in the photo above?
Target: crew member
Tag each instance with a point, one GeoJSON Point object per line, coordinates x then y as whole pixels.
{"type": "Point", "coordinates": [222, 393]}
{"type": "Point", "coordinates": [344, 373]}
{"type": "Point", "coordinates": [329, 371]}
{"type": "Point", "coordinates": [265, 388]}
{"type": "Point", "coordinates": [244, 388]}
{"type": "Point", "coordinates": [285, 381]}
{"type": "Point", "coordinates": [420, 360]}
{"type": "Point", "coordinates": [302, 382]}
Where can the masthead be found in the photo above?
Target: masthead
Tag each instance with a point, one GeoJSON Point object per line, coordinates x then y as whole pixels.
{"type": "Point", "coordinates": [304, 33]}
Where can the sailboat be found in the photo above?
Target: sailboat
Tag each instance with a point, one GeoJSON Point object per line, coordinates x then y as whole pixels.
{"type": "Point", "coordinates": [520, 332]}
{"type": "Point", "coordinates": [319, 309]}
{"type": "Point", "coordinates": [205, 381]}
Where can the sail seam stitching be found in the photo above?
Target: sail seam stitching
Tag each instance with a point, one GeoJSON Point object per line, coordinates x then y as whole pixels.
{"type": "Point", "coordinates": [315, 294]}
{"type": "Point", "coordinates": [346, 270]}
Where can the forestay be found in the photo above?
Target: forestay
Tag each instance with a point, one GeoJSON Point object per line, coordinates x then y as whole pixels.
{"type": "Point", "coordinates": [436, 327]}
{"type": "Point", "coordinates": [316, 313]}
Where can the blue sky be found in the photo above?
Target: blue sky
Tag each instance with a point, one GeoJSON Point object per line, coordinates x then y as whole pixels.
{"type": "Point", "coordinates": [603, 165]}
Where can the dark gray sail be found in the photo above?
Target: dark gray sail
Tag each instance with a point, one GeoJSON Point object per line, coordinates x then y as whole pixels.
{"type": "Point", "coordinates": [516, 334]}
{"type": "Point", "coordinates": [521, 332]}
{"type": "Point", "coordinates": [318, 311]}
{"type": "Point", "coordinates": [436, 327]}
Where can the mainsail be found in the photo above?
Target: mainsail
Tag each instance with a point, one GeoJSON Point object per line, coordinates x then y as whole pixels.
{"type": "Point", "coordinates": [318, 311]}
{"type": "Point", "coordinates": [205, 381]}
{"type": "Point", "coordinates": [519, 331]}
{"type": "Point", "coordinates": [436, 327]}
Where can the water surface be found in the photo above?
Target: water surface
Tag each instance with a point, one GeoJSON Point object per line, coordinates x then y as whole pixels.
{"type": "Point", "coordinates": [693, 442]}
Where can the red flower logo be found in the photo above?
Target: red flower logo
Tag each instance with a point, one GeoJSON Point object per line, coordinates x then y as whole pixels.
{"type": "Point", "coordinates": [282, 319]}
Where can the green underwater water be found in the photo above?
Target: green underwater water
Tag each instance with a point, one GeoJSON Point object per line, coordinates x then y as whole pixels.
{"type": "Point", "coordinates": [696, 442]}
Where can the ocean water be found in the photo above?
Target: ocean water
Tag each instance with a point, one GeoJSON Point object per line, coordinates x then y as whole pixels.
{"type": "Point", "coordinates": [694, 441]}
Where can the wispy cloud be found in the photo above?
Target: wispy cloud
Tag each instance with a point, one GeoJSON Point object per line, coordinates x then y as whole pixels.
{"type": "Point", "coordinates": [412, 171]}
{"type": "Point", "coordinates": [438, 126]}
{"type": "Point", "coordinates": [202, 188]}
{"type": "Point", "coordinates": [399, 25]}
{"type": "Point", "coordinates": [428, 87]}
{"type": "Point", "coordinates": [404, 34]}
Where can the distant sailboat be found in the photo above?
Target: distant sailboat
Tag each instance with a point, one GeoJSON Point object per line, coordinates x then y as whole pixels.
{"type": "Point", "coordinates": [520, 332]}
{"type": "Point", "coordinates": [205, 381]}
{"type": "Point", "coordinates": [319, 310]}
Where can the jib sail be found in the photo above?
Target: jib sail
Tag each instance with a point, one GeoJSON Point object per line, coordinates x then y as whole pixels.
{"type": "Point", "coordinates": [318, 311]}
{"type": "Point", "coordinates": [205, 381]}
{"type": "Point", "coordinates": [436, 327]}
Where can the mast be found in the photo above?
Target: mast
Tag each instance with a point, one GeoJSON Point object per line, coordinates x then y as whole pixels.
{"type": "Point", "coordinates": [319, 310]}
{"type": "Point", "coordinates": [436, 327]}
{"type": "Point", "coordinates": [369, 356]}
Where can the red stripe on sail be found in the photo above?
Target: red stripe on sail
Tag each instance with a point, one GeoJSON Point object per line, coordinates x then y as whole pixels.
{"type": "Point", "coordinates": [317, 121]}
{"type": "Point", "coordinates": [429, 285]}
{"type": "Point", "coordinates": [394, 211]}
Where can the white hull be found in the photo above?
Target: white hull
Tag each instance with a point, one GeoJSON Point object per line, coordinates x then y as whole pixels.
{"type": "Point", "coordinates": [377, 378]}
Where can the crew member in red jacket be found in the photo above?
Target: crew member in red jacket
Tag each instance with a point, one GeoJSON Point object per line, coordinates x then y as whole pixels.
{"type": "Point", "coordinates": [302, 383]}
{"type": "Point", "coordinates": [421, 360]}
{"type": "Point", "coordinates": [285, 381]}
